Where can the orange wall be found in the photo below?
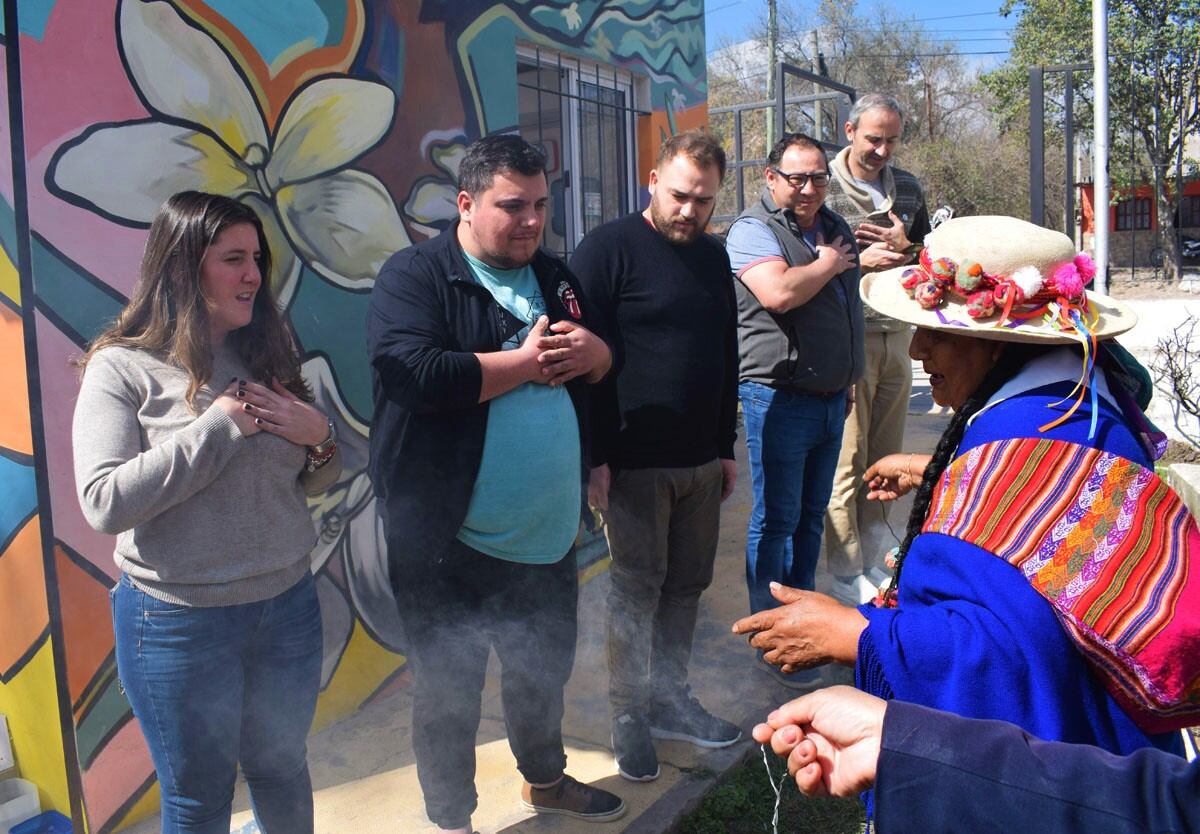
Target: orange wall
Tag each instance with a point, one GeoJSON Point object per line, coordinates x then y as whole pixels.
{"type": "Point", "coordinates": [1088, 199]}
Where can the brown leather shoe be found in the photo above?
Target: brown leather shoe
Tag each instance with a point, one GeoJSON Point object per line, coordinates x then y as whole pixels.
{"type": "Point", "coordinates": [572, 798]}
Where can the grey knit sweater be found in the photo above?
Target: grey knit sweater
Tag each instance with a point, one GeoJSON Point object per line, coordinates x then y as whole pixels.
{"type": "Point", "coordinates": [204, 516]}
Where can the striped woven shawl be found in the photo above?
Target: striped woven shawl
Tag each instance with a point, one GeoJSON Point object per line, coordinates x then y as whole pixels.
{"type": "Point", "coordinates": [1108, 544]}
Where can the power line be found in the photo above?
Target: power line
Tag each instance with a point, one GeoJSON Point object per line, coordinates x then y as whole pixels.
{"type": "Point", "coordinates": [707, 12]}
{"type": "Point", "coordinates": [757, 73]}
{"type": "Point", "coordinates": [898, 23]}
{"type": "Point", "coordinates": [953, 16]}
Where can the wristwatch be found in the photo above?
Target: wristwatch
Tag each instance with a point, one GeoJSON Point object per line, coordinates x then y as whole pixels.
{"type": "Point", "coordinates": [326, 444]}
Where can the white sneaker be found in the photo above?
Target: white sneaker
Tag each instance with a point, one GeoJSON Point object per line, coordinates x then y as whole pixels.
{"type": "Point", "coordinates": [878, 576]}
{"type": "Point", "coordinates": [853, 592]}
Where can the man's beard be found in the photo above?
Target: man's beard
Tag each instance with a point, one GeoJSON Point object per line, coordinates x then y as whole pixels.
{"type": "Point", "coordinates": [664, 225]}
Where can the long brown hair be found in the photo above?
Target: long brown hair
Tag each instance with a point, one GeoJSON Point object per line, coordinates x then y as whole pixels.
{"type": "Point", "coordinates": [167, 312]}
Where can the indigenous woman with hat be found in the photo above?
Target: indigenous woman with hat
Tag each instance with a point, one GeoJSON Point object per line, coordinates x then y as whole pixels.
{"type": "Point", "coordinates": [1048, 577]}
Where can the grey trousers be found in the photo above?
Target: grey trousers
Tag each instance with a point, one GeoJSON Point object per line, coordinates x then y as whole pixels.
{"type": "Point", "coordinates": [662, 527]}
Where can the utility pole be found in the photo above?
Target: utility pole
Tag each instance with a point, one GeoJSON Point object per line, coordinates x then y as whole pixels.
{"type": "Point", "coordinates": [1100, 159]}
{"type": "Point", "coordinates": [929, 106]}
{"type": "Point", "coordinates": [772, 59]}
{"type": "Point", "coordinates": [818, 105]}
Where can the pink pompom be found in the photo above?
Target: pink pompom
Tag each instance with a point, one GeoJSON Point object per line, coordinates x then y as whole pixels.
{"type": "Point", "coordinates": [1066, 280]}
{"type": "Point", "coordinates": [1086, 266]}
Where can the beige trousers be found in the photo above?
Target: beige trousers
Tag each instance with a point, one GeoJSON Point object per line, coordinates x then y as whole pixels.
{"type": "Point", "coordinates": [856, 534]}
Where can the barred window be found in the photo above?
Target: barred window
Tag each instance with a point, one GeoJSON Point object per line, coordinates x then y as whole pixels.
{"type": "Point", "coordinates": [583, 115]}
{"type": "Point", "coordinates": [1189, 211]}
{"type": "Point", "coordinates": [1133, 214]}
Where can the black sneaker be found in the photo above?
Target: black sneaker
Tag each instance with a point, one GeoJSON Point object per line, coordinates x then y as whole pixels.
{"type": "Point", "coordinates": [573, 799]}
{"type": "Point", "coordinates": [632, 749]}
{"type": "Point", "coordinates": [685, 720]}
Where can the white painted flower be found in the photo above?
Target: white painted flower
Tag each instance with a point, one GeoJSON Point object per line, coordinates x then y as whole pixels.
{"type": "Point", "coordinates": [350, 540]}
{"type": "Point", "coordinates": [207, 133]}
{"type": "Point", "coordinates": [433, 201]}
{"type": "Point", "coordinates": [572, 17]}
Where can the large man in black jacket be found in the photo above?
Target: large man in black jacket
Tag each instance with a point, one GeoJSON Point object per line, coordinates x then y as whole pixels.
{"type": "Point", "coordinates": [479, 343]}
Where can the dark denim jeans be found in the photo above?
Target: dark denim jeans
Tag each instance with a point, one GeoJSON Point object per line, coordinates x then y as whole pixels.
{"type": "Point", "coordinates": [455, 607]}
{"type": "Point", "coordinates": [794, 441]}
{"type": "Point", "coordinates": [212, 687]}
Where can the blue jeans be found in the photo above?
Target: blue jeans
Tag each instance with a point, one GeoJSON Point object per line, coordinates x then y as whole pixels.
{"type": "Point", "coordinates": [212, 687]}
{"type": "Point", "coordinates": [794, 441]}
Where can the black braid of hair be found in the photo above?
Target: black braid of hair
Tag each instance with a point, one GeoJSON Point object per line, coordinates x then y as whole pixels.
{"type": "Point", "coordinates": [1011, 361]}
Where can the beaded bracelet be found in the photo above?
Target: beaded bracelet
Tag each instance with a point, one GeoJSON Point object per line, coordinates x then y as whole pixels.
{"type": "Point", "coordinates": [314, 462]}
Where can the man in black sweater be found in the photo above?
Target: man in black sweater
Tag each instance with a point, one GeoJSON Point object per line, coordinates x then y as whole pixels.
{"type": "Point", "coordinates": [663, 428]}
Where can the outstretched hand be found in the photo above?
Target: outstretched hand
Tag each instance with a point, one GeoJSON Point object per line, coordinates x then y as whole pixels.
{"type": "Point", "coordinates": [807, 630]}
{"type": "Point", "coordinates": [894, 475]}
{"type": "Point", "coordinates": [831, 739]}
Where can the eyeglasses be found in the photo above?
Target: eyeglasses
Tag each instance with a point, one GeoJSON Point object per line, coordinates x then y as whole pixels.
{"type": "Point", "coordinates": [819, 180]}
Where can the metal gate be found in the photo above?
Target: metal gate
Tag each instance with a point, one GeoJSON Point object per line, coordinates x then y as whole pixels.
{"type": "Point", "coordinates": [1146, 234]}
{"type": "Point", "coordinates": [803, 102]}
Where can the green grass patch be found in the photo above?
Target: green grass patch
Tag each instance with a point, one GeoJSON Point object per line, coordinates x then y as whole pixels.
{"type": "Point", "coordinates": [743, 805]}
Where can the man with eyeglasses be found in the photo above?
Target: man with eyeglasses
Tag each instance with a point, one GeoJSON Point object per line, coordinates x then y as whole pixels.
{"type": "Point", "coordinates": [800, 335]}
{"type": "Point", "coordinates": [886, 208]}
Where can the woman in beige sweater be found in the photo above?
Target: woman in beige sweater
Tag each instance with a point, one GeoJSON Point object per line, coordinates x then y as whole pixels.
{"type": "Point", "coordinates": [196, 443]}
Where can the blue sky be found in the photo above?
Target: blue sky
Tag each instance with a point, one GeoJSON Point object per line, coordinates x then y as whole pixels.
{"type": "Point", "coordinates": [974, 26]}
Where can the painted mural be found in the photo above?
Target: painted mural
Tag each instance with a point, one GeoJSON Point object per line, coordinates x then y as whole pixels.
{"type": "Point", "coordinates": [342, 123]}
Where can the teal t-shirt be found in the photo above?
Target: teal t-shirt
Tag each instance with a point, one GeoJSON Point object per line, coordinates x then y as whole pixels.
{"type": "Point", "coordinates": [525, 505]}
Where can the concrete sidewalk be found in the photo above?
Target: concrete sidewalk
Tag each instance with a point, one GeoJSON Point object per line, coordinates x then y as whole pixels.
{"type": "Point", "coordinates": [365, 779]}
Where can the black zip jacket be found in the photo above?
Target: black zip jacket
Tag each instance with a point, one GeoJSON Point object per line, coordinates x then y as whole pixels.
{"type": "Point", "coordinates": [427, 318]}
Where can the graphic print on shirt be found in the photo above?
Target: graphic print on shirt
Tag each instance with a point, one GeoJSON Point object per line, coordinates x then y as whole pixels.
{"type": "Point", "coordinates": [566, 295]}
{"type": "Point", "coordinates": [536, 309]}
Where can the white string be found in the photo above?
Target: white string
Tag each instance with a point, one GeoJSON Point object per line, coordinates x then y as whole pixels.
{"type": "Point", "coordinates": [777, 788]}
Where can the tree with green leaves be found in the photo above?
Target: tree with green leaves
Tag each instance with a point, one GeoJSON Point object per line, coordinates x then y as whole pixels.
{"type": "Point", "coordinates": [1154, 73]}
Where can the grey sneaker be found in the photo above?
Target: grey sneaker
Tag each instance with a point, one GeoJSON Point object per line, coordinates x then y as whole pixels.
{"type": "Point", "coordinates": [632, 749]}
{"type": "Point", "coordinates": [684, 719]}
{"type": "Point", "coordinates": [571, 798]}
{"type": "Point", "coordinates": [802, 680]}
